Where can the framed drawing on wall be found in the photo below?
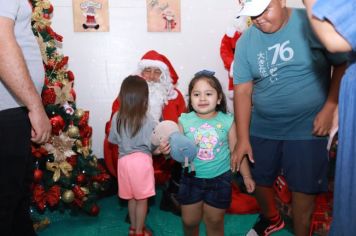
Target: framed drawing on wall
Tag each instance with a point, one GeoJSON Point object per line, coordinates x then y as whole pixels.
{"type": "Point", "coordinates": [91, 15]}
{"type": "Point", "coordinates": [163, 16]}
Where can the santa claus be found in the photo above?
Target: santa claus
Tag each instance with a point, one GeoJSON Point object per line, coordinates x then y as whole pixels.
{"type": "Point", "coordinates": [228, 43]}
{"type": "Point", "coordinates": [165, 103]}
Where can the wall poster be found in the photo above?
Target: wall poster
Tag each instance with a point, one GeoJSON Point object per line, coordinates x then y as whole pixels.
{"type": "Point", "coordinates": [91, 15]}
{"type": "Point", "coordinates": [163, 16]}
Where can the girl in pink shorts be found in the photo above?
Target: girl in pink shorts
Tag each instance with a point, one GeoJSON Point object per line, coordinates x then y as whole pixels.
{"type": "Point", "coordinates": [131, 130]}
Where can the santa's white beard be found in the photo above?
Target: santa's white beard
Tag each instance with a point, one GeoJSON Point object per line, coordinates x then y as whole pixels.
{"type": "Point", "coordinates": [157, 99]}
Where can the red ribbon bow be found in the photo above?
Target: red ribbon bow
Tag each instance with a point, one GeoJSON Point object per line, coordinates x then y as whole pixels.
{"type": "Point", "coordinates": [41, 197]}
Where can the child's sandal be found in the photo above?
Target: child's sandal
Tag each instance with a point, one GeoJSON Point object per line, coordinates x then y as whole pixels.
{"type": "Point", "coordinates": [132, 231]}
{"type": "Point", "coordinates": [145, 232]}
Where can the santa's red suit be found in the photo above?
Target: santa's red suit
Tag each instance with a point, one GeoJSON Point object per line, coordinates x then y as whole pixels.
{"type": "Point", "coordinates": [173, 105]}
{"type": "Point", "coordinates": [227, 50]}
{"type": "Point", "coordinates": [228, 44]}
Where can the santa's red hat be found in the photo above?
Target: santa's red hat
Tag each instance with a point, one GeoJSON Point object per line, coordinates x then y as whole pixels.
{"type": "Point", "coordinates": [155, 59]}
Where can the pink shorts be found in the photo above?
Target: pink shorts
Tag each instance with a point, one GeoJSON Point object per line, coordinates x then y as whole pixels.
{"type": "Point", "coordinates": [135, 176]}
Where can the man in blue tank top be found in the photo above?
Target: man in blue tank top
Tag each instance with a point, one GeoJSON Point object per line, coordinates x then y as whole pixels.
{"type": "Point", "coordinates": [285, 94]}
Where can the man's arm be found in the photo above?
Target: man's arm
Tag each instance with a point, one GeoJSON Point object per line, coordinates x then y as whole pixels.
{"type": "Point", "coordinates": [324, 120]}
{"type": "Point", "coordinates": [326, 32]}
{"type": "Point", "coordinates": [242, 110]}
{"type": "Point", "coordinates": [14, 74]}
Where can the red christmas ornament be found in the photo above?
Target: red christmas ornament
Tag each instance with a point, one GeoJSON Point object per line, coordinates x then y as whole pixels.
{"type": "Point", "coordinates": [58, 84]}
{"type": "Point", "coordinates": [57, 123]}
{"type": "Point", "coordinates": [72, 160]}
{"type": "Point", "coordinates": [50, 64]}
{"type": "Point", "coordinates": [50, 9]}
{"type": "Point", "coordinates": [103, 177]}
{"type": "Point", "coordinates": [54, 34]}
{"type": "Point", "coordinates": [101, 168]}
{"type": "Point", "coordinates": [84, 119]}
{"type": "Point", "coordinates": [78, 192]}
{"type": "Point", "coordinates": [86, 132]}
{"type": "Point", "coordinates": [37, 175]}
{"type": "Point", "coordinates": [48, 96]}
{"type": "Point", "coordinates": [70, 76]}
{"type": "Point", "coordinates": [81, 179]}
{"type": "Point", "coordinates": [38, 152]}
{"type": "Point", "coordinates": [74, 95]}
{"type": "Point", "coordinates": [94, 210]}
{"type": "Point", "coordinates": [85, 142]}
{"type": "Point", "coordinates": [46, 81]}
{"type": "Point", "coordinates": [62, 63]}
{"type": "Point", "coordinates": [78, 202]}
{"type": "Point", "coordinates": [46, 16]}
{"type": "Point", "coordinates": [49, 30]}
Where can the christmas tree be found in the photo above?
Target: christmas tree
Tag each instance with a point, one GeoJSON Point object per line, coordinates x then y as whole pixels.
{"type": "Point", "coordinates": [67, 174]}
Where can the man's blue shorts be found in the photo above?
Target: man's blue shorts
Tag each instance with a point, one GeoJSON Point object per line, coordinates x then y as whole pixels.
{"type": "Point", "coordinates": [215, 192]}
{"type": "Point", "coordinates": [304, 163]}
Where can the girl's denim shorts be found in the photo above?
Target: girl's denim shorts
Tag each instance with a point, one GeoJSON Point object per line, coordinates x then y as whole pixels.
{"type": "Point", "coordinates": [215, 192]}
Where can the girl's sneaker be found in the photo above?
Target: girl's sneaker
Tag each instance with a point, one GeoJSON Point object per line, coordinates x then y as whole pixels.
{"type": "Point", "coordinates": [265, 227]}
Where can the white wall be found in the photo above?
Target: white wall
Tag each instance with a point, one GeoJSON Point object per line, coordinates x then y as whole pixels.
{"type": "Point", "coordinates": [100, 61]}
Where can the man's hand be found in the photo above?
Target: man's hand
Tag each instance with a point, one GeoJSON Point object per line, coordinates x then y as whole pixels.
{"type": "Point", "coordinates": [241, 151]}
{"type": "Point", "coordinates": [324, 121]}
{"type": "Point", "coordinates": [41, 126]}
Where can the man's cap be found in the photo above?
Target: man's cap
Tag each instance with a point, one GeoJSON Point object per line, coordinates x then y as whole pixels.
{"type": "Point", "coordinates": [252, 7]}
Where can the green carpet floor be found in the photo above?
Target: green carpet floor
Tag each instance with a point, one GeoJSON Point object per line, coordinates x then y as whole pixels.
{"type": "Point", "coordinates": [111, 221]}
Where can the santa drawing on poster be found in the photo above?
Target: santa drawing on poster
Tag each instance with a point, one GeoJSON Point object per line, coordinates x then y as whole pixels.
{"type": "Point", "coordinates": [163, 15]}
{"type": "Point", "coordinates": [168, 16]}
{"type": "Point", "coordinates": [89, 11]}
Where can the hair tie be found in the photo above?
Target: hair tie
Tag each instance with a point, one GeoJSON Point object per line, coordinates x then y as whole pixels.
{"type": "Point", "coordinates": [205, 73]}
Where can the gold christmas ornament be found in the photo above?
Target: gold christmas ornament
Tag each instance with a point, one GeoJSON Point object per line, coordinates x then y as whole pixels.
{"type": "Point", "coordinates": [79, 113]}
{"type": "Point", "coordinates": [78, 144]}
{"type": "Point", "coordinates": [41, 224]}
{"type": "Point", "coordinates": [63, 94]}
{"type": "Point", "coordinates": [43, 4]}
{"type": "Point", "coordinates": [85, 152]}
{"type": "Point", "coordinates": [79, 150]}
{"type": "Point", "coordinates": [60, 146]}
{"type": "Point", "coordinates": [73, 131]}
{"type": "Point", "coordinates": [94, 162]}
{"type": "Point", "coordinates": [61, 76]}
{"type": "Point", "coordinates": [85, 190]}
{"type": "Point", "coordinates": [96, 185]}
{"type": "Point", "coordinates": [40, 22]}
{"type": "Point", "coordinates": [68, 196]}
{"type": "Point", "coordinates": [58, 168]}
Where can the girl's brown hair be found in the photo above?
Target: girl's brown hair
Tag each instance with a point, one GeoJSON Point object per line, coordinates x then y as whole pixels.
{"type": "Point", "coordinates": [133, 98]}
{"type": "Point", "coordinates": [209, 77]}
